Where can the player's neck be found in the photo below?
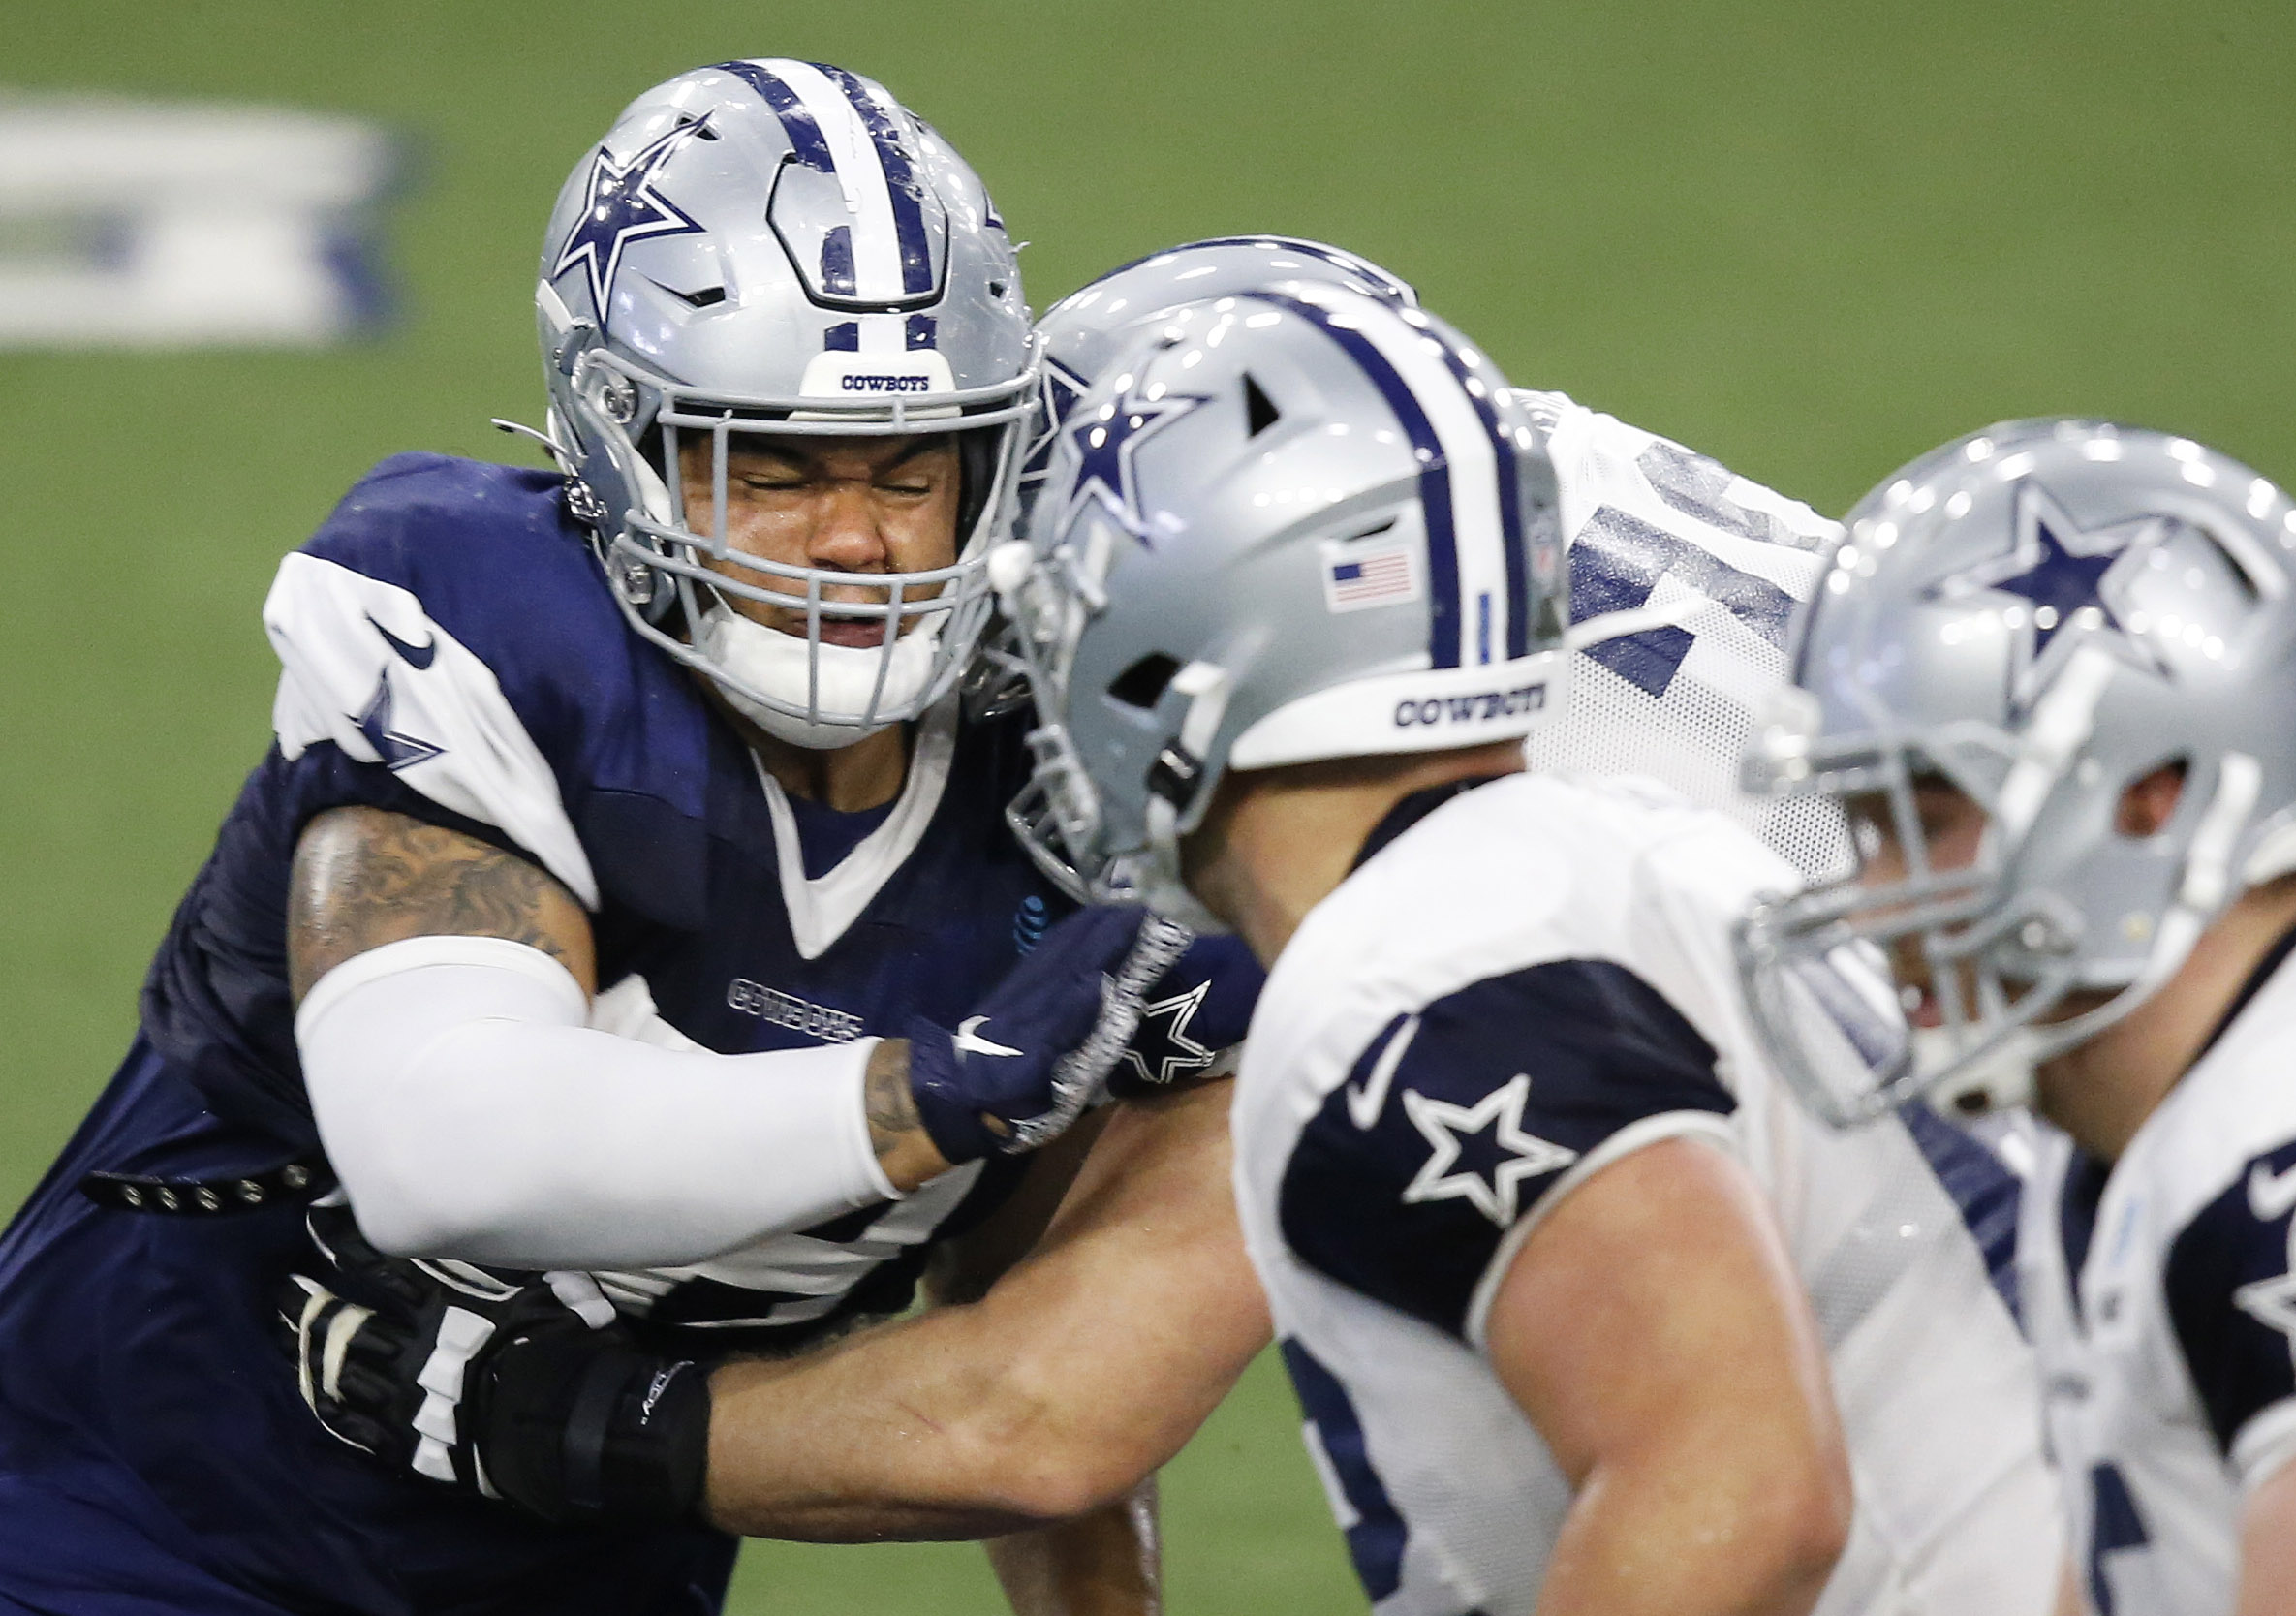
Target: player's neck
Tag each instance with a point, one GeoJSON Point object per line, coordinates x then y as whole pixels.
{"type": "Point", "coordinates": [1277, 841]}
{"type": "Point", "coordinates": [2102, 1092]}
{"type": "Point", "coordinates": [866, 774]}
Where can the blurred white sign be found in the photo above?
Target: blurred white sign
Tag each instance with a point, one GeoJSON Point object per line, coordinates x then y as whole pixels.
{"type": "Point", "coordinates": [128, 223]}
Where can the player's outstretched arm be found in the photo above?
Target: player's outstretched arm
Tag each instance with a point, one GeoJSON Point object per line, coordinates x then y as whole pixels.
{"type": "Point", "coordinates": [443, 985]}
{"type": "Point", "coordinates": [471, 1112]}
{"type": "Point", "coordinates": [1081, 1371]}
{"type": "Point", "coordinates": [1653, 1329]}
{"type": "Point", "coordinates": [1108, 1561]}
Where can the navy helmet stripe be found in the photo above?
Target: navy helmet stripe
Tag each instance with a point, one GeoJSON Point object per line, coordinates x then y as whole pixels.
{"type": "Point", "coordinates": [1510, 498]}
{"type": "Point", "coordinates": [805, 135]}
{"type": "Point", "coordinates": [1435, 473]}
{"type": "Point", "coordinates": [1338, 257]}
{"type": "Point", "coordinates": [900, 181]}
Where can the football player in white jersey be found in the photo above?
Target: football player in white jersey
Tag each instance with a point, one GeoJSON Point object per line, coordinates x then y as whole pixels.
{"type": "Point", "coordinates": [1548, 1338]}
{"type": "Point", "coordinates": [1316, 504]}
{"type": "Point", "coordinates": [2051, 670]}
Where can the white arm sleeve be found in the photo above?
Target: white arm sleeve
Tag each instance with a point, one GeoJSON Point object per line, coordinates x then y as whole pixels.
{"type": "Point", "coordinates": [470, 1113]}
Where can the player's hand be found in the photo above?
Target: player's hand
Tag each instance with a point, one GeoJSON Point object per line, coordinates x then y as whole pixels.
{"type": "Point", "coordinates": [1192, 1020]}
{"type": "Point", "coordinates": [1038, 1052]}
{"type": "Point", "coordinates": [405, 1359]}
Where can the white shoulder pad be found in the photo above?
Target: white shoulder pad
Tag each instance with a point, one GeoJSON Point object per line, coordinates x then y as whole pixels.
{"type": "Point", "coordinates": [365, 667]}
{"type": "Point", "coordinates": [1602, 461]}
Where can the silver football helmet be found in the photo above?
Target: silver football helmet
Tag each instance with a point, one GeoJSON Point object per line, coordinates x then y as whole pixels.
{"type": "Point", "coordinates": [2041, 614]}
{"type": "Point", "coordinates": [1298, 523]}
{"type": "Point", "coordinates": [761, 249]}
{"type": "Point", "coordinates": [1078, 335]}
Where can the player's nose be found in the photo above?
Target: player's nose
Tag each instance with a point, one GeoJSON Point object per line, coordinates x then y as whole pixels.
{"type": "Point", "coordinates": [848, 533]}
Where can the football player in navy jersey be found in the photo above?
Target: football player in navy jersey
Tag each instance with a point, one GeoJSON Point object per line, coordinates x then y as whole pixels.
{"type": "Point", "coordinates": [1561, 1274]}
{"type": "Point", "coordinates": [2052, 672]}
{"type": "Point", "coordinates": [625, 897]}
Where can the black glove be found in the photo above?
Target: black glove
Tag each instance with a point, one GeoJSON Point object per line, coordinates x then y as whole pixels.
{"type": "Point", "coordinates": [1192, 1020]}
{"type": "Point", "coordinates": [1038, 1050]}
{"type": "Point", "coordinates": [523, 1391]}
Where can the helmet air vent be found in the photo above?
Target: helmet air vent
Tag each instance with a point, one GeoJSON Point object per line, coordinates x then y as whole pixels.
{"type": "Point", "coordinates": [1260, 411]}
{"type": "Point", "coordinates": [1142, 684]}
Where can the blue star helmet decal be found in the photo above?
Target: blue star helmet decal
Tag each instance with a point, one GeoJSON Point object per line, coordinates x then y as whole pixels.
{"type": "Point", "coordinates": [2061, 572]}
{"type": "Point", "coordinates": [1106, 439]}
{"type": "Point", "coordinates": [622, 207]}
{"type": "Point", "coordinates": [1480, 1152]}
{"type": "Point", "coordinates": [1058, 388]}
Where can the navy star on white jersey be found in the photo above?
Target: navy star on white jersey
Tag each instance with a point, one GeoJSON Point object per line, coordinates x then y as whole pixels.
{"type": "Point", "coordinates": [2061, 570]}
{"type": "Point", "coordinates": [1106, 441]}
{"type": "Point", "coordinates": [1480, 1152]}
{"type": "Point", "coordinates": [1162, 1037]}
{"type": "Point", "coordinates": [397, 750]}
{"type": "Point", "coordinates": [622, 207]}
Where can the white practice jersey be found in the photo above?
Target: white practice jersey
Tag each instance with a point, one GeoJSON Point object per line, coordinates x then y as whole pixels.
{"type": "Point", "coordinates": [2170, 1382]}
{"type": "Point", "coordinates": [1524, 984]}
{"type": "Point", "coordinates": [1653, 526]}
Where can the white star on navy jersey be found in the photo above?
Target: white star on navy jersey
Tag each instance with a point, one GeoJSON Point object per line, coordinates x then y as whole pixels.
{"type": "Point", "coordinates": [1106, 439]}
{"type": "Point", "coordinates": [397, 750]}
{"type": "Point", "coordinates": [2272, 1302]}
{"type": "Point", "coordinates": [1481, 1151]}
{"type": "Point", "coordinates": [622, 207]}
{"type": "Point", "coordinates": [2061, 570]}
{"type": "Point", "coordinates": [1163, 1036]}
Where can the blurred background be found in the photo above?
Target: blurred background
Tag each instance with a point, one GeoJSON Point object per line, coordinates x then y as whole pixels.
{"type": "Point", "coordinates": [1810, 240]}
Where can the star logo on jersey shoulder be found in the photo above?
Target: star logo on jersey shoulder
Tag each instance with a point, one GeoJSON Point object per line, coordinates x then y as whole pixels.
{"type": "Point", "coordinates": [1161, 1052]}
{"type": "Point", "coordinates": [1480, 1152]}
{"type": "Point", "coordinates": [2064, 576]}
{"type": "Point", "coordinates": [620, 206]}
{"type": "Point", "coordinates": [396, 751]}
{"type": "Point", "coordinates": [2270, 1302]}
{"type": "Point", "coordinates": [1107, 439]}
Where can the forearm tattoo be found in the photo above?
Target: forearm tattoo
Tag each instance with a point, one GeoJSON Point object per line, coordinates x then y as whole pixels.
{"type": "Point", "coordinates": [364, 877]}
{"type": "Point", "coordinates": [890, 1106]}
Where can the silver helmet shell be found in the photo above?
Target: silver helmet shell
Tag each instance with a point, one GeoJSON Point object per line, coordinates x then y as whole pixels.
{"type": "Point", "coordinates": [774, 248]}
{"type": "Point", "coordinates": [1078, 335]}
{"type": "Point", "coordinates": [2043, 613]}
{"type": "Point", "coordinates": [1295, 525]}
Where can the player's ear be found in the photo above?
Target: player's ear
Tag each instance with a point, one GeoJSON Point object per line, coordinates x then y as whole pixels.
{"type": "Point", "coordinates": [2149, 804]}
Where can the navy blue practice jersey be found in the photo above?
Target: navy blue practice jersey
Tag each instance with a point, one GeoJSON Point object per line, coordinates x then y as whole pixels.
{"type": "Point", "coordinates": [451, 652]}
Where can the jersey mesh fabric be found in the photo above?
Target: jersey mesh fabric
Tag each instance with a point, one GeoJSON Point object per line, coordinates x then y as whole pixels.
{"type": "Point", "coordinates": [1677, 704]}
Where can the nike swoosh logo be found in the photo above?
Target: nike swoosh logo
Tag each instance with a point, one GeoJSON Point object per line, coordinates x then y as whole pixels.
{"type": "Point", "coordinates": [1365, 1104]}
{"type": "Point", "coordinates": [2271, 1194]}
{"type": "Point", "coordinates": [970, 1042]}
{"type": "Point", "coordinates": [418, 657]}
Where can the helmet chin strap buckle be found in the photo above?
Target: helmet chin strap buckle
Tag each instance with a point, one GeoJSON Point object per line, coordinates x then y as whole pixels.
{"type": "Point", "coordinates": [1175, 776]}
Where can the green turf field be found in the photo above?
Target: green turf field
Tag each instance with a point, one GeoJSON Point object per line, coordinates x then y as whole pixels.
{"type": "Point", "coordinates": [1810, 238]}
